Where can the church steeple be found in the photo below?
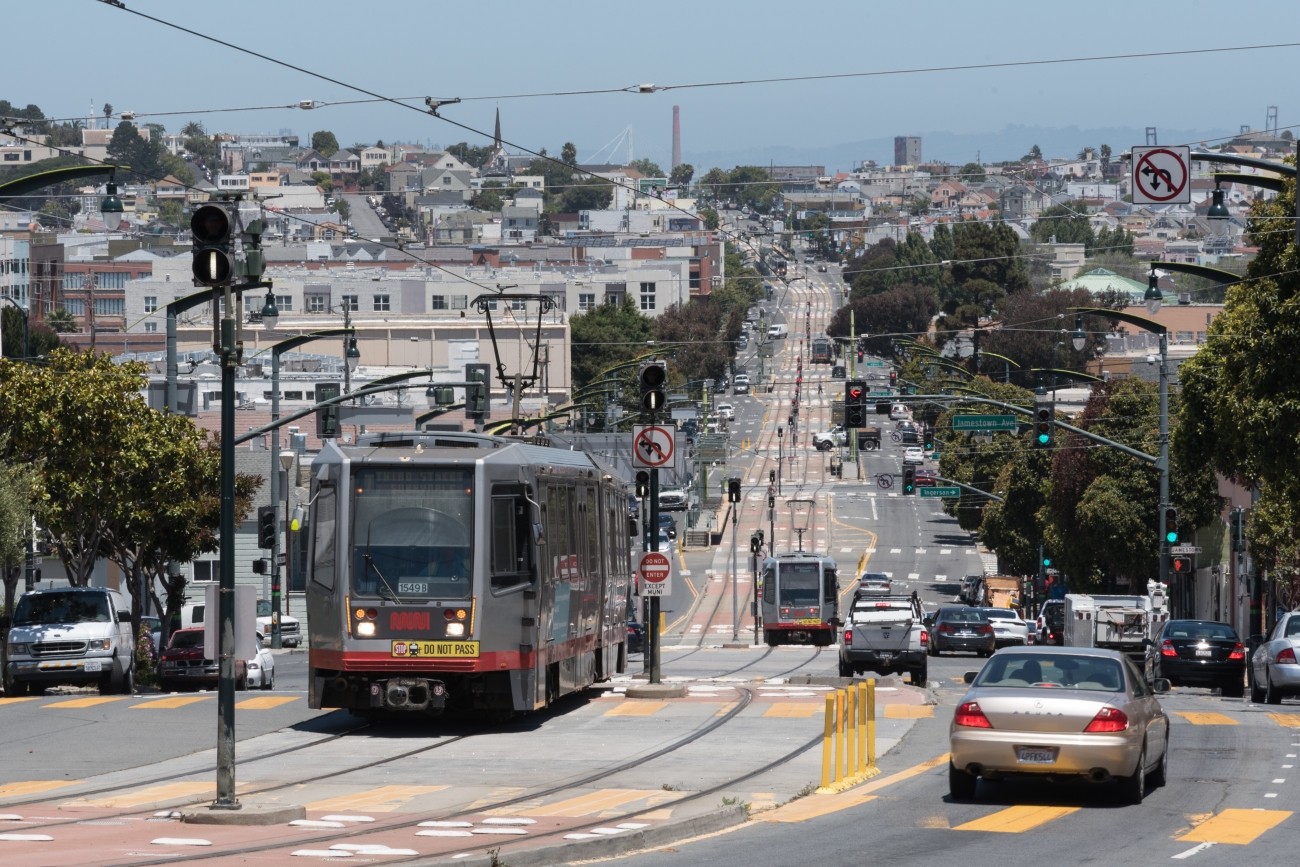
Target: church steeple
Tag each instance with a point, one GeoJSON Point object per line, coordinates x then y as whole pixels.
{"type": "Point", "coordinates": [496, 135]}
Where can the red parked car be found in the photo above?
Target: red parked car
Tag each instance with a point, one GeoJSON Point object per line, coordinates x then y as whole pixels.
{"type": "Point", "coordinates": [183, 666]}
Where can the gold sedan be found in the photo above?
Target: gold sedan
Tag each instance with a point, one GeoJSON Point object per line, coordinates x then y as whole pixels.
{"type": "Point", "coordinates": [1060, 713]}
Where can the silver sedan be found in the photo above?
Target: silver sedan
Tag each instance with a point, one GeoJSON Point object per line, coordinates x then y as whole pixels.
{"type": "Point", "coordinates": [1274, 666]}
{"type": "Point", "coordinates": [1059, 713]}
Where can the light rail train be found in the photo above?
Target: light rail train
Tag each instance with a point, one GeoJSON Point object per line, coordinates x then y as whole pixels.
{"type": "Point", "coordinates": [458, 571]}
{"type": "Point", "coordinates": [800, 599]}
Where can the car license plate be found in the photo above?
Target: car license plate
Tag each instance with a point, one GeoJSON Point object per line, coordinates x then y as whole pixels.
{"type": "Point", "coordinates": [1036, 755]}
{"type": "Point", "coordinates": [965, 634]}
{"type": "Point", "coordinates": [1203, 652]}
{"type": "Point", "coordinates": [92, 665]}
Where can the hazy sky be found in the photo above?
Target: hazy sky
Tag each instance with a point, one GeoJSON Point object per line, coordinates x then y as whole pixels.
{"type": "Point", "coordinates": [488, 53]}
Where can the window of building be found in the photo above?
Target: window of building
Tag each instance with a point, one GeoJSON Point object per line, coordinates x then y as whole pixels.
{"type": "Point", "coordinates": [382, 304]}
{"type": "Point", "coordinates": [150, 326]}
{"type": "Point", "coordinates": [647, 296]}
{"type": "Point", "coordinates": [586, 300]}
{"type": "Point", "coordinates": [350, 303]}
{"type": "Point", "coordinates": [438, 302]}
{"type": "Point", "coordinates": [316, 303]}
{"type": "Point", "coordinates": [284, 303]}
{"type": "Point", "coordinates": [150, 303]}
{"type": "Point", "coordinates": [459, 302]}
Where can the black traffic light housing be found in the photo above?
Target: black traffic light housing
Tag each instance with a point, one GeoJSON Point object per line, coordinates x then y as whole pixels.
{"type": "Point", "coordinates": [327, 417]}
{"type": "Point", "coordinates": [1043, 415]}
{"type": "Point", "coordinates": [1171, 526]}
{"type": "Point", "coordinates": [733, 490]}
{"type": "Point", "coordinates": [476, 390]}
{"type": "Point", "coordinates": [642, 484]}
{"type": "Point", "coordinates": [909, 480]}
{"type": "Point", "coordinates": [653, 377]}
{"type": "Point", "coordinates": [211, 231]}
{"type": "Point", "coordinates": [893, 377]}
{"type": "Point", "coordinates": [855, 406]}
{"type": "Point", "coordinates": [266, 528]}
{"type": "Point", "coordinates": [1180, 565]}
{"type": "Point", "coordinates": [927, 440]}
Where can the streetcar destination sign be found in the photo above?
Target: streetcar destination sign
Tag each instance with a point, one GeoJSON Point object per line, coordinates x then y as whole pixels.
{"type": "Point", "coordinates": [936, 492]}
{"type": "Point", "coordinates": [984, 422]}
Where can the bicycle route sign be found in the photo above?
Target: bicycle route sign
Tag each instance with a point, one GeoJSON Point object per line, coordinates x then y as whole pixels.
{"type": "Point", "coordinates": [1161, 175]}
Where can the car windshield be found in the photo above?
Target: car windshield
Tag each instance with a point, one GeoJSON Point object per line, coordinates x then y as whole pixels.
{"type": "Point", "coordinates": [1012, 670]}
{"type": "Point", "coordinates": [44, 609]}
{"type": "Point", "coordinates": [958, 615]}
{"type": "Point", "coordinates": [1001, 614]}
{"type": "Point", "coordinates": [1196, 631]}
{"type": "Point", "coordinates": [187, 638]}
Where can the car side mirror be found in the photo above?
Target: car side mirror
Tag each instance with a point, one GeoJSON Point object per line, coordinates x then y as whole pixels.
{"type": "Point", "coordinates": [1147, 642]}
{"type": "Point", "coordinates": [124, 616]}
{"type": "Point", "coordinates": [928, 620]}
{"type": "Point", "coordinates": [969, 677]}
{"type": "Point", "coordinates": [1160, 685]}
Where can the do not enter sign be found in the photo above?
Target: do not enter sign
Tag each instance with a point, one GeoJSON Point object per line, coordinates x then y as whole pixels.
{"type": "Point", "coordinates": [654, 574]}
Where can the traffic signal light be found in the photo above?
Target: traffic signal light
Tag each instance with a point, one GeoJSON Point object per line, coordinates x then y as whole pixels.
{"type": "Point", "coordinates": [210, 232]}
{"type": "Point", "coordinates": [927, 439]}
{"type": "Point", "coordinates": [476, 390]}
{"type": "Point", "coordinates": [266, 528]}
{"type": "Point", "coordinates": [893, 377]}
{"type": "Point", "coordinates": [733, 490]}
{"type": "Point", "coordinates": [909, 480]}
{"type": "Point", "coordinates": [1180, 565]}
{"type": "Point", "coordinates": [642, 484]}
{"type": "Point", "coordinates": [252, 260]}
{"type": "Point", "coordinates": [327, 417]}
{"type": "Point", "coordinates": [855, 407]}
{"type": "Point", "coordinates": [653, 376]}
{"type": "Point", "coordinates": [1171, 526]}
{"type": "Point", "coordinates": [755, 543]}
{"type": "Point", "coordinates": [1043, 413]}
{"type": "Point", "coordinates": [771, 477]}
{"type": "Point", "coordinates": [861, 356]}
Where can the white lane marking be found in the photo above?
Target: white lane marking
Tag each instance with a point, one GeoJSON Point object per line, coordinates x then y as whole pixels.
{"type": "Point", "coordinates": [920, 550]}
{"type": "Point", "coordinates": [913, 576]}
{"type": "Point", "coordinates": [1200, 847]}
{"type": "Point", "coordinates": [895, 550]}
{"type": "Point", "coordinates": [1271, 795]}
{"type": "Point", "coordinates": [944, 551]}
{"type": "Point", "coordinates": [874, 515]}
{"type": "Point", "coordinates": [940, 578]}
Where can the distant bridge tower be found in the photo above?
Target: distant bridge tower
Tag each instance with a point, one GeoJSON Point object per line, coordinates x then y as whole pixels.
{"type": "Point", "coordinates": [1151, 137]}
{"type": "Point", "coordinates": [1270, 120]}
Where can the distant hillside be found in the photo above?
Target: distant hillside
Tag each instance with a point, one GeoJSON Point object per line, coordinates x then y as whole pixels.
{"type": "Point", "coordinates": [1011, 143]}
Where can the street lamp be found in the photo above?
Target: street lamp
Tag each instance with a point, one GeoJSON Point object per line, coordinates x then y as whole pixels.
{"type": "Point", "coordinates": [1219, 218]}
{"type": "Point", "coordinates": [1153, 296]}
{"type": "Point", "coordinates": [110, 209]}
{"type": "Point", "coordinates": [270, 313]}
{"type": "Point", "coordinates": [1078, 339]}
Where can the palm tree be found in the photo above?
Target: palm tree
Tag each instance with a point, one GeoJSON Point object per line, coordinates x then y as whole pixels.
{"type": "Point", "coordinates": [108, 113]}
{"type": "Point", "coordinates": [193, 129]}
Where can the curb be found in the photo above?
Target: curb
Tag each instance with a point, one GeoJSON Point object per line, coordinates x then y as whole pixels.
{"type": "Point", "coordinates": [604, 847]}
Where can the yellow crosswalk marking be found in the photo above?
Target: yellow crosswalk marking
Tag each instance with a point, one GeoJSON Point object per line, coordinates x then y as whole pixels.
{"type": "Point", "coordinates": [266, 702]}
{"type": "Point", "coordinates": [1290, 720]}
{"type": "Point", "coordinates": [1016, 820]}
{"type": "Point", "coordinates": [598, 803]}
{"type": "Point", "coordinates": [384, 799]}
{"type": "Point", "coordinates": [795, 709]}
{"type": "Point", "coordinates": [636, 707]}
{"type": "Point", "coordinates": [147, 795]}
{"type": "Point", "coordinates": [32, 787]}
{"type": "Point", "coordinates": [171, 702]}
{"type": "Point", "coordinates": [86, 702]}
{"type": "Point", "coordinates": [1236, 826]}
{"type": "Point", "coordinates": [1206, 718]}
{"type": "Point", "coordinates": [909, 711]}
{"type": "Point", "coordinates": [16, 700]}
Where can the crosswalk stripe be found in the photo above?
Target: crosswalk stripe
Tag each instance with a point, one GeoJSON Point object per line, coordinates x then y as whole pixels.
{"type": "Point", "coordinates": [1290, 720]}
{"type": "Point", "coordinates": [266, 702]}
{"type": "Point", "coordinates": [147, 795]}
{"type": "Point", "coordinates": [795, 709]}
{"type": "Point", "coordinates": [1236, 826]}
{"type": "Point", "coordinates": [384, 799]}
{"type": "Point", "coordinates": [909, 711]}
{"type": "Point", "coordinates": [637, 707]}
{"type": "Point", "coordinates": [86, 702]}
{"type": "Point", "coordinates": [32, 787]}
{"type": "Point", "coordinates": [1016, 820]}
{"type": "Point", "coordinates": [171, 702]}
{"type": "Point", "coordinates": [16, 700]}
{"type": "Point", "coordinates": [1206, 718]}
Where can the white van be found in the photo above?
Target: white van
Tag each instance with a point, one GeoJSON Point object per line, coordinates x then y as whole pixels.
{"type": "Point", "coordinates": [76, 636]}
{"type": "Point", "coordinates": [778, 331]}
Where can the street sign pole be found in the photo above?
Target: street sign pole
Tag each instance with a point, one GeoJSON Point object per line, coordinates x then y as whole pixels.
{"type": "Point", "coordinates": [652, 616]}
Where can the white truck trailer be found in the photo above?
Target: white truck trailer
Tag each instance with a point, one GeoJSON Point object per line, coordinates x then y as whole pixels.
{"type": "Point", "coordinates": [1117, 622]}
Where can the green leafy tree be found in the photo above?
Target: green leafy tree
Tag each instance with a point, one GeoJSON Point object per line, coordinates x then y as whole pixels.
{"type": "Point", "coordinates": [475, 157]}
{"type": "Point", "coordinates": [61, 321]}
{"type": "Point", "coordinates": [605, 336]}
{"type": "Point", "coordinates": [648, 168]}
{"type": "Point", "coordinates": [972, 174]}
{"type": "Point", "coordinates": [488, 198]}
{"type": "Point", "coordinates": [1066, 223]}
{"type": "Point", "coordinates": [323, 181]}
{"type": "Point", "coordinates": [324, 143]}
{"type": "Point", "coordinates": [710, 218]}
{"type": "Point", "coordinates": [681, 174]}
{"type": "Point", "coordinates": [941, 243]}
{"type": "Point", "coordinates": [903, 311]}
{"type": "Point", "coordinates": [586, 195]}
{"type": "Point", "coordinates": [568, 154]}
{"type": "Point", "coordinates": [1049, 346]}
{"type": "Point", "coordinates": [17, 485]}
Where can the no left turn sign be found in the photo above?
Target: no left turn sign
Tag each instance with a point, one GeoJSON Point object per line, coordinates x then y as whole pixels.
{"type": "Point", "coordinates": [1161, 176]}
{"type": "Point", "coordinates": [653, 447]}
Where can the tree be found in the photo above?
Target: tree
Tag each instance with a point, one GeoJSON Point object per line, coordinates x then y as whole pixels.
{"type": "Point", "coordinates": [1066, 223]}
{"type": "Point", "coordinates": [17, 484]}
{"type": "Point", "coordinates": [474, 157]}
{"type": "Point", "coordinates": [1035, 153]}
{"type": "Point", "coordinates": [903, 311]}
{"type": "Point", "coordinates": [324, 143]}
{"type": "Point", "coordinates": [323, 181]}
{"type": "Point", "coordinates": [648, 168]}
{"type": "Point", "coordinates": [108, 111]}
{"type": "Point", "coordinates": [568, 154]}
{"type": "Point", "coordinates": [605, 336]}
{"type": "Point", "coordinates": [681, 174]}
{"type": "Point", "coordinates": [488, 198]}
{"type": "Point", "coordinates": [193, 129]}
{"type": "Point", "coordinates": [1047, 347]}
{"type": "Point", "coordinates": [972, 173]}
{"type": "Point", "coordinates": [61, 321]}
{"type": "Point", "coordinates": [593, 194]}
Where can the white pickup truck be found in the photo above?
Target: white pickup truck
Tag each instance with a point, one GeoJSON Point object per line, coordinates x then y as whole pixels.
{"type": "Point", "coordinates": [885, 635]}
{"type": "Point", "coordinates": [834, 438]}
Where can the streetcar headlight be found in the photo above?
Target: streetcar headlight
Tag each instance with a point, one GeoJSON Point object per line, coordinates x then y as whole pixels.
{"type": "Point", "coordinates": [455, 630]}
{"type": "Point", "coordinates": [366, 630]}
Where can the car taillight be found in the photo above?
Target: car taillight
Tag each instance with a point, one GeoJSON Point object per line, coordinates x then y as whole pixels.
{"type": "Point", "coordinates": [848, 635]}
{"type": "Point", "coordinates": [970, 715]}
{"type": "Point", "coordinates": [986, 629]}
{"type": "Point", "coordinates": [1167, 648]}
{"type": "Point", "coordinates": [1108, 719]}
{"type": "Point", "coordinates": [1286, 657]}
{"type": "Point", "coordinates": [1238, 652]}
{"type": "Point", "coordinates": [925, 638]}
{"type": "Point", "coordinates": [947, 627]}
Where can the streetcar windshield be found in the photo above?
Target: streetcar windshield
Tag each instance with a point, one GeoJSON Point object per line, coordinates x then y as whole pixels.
{"type": "Point", "coordinates": [800, 584]}
{"type": "Point", "coordinates": [412, 533]}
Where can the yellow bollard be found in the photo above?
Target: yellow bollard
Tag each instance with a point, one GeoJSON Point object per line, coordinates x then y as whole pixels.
{"type": "Point", "coordinates": [871, 722]}
{"type": "Point", "coordinates": [839, 734]}
{"type": "Point", "coordinates": [862, 726]}
{"type": "Point", "coordinates": [827, 737]}
{"type": "Point", "coordinates": [850, 726]}
{"type": "Point", "coordinates": [663, 622]}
